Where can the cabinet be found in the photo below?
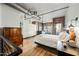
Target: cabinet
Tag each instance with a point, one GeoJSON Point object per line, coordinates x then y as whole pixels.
{"type": "Point", "coordinates": [14, 34]}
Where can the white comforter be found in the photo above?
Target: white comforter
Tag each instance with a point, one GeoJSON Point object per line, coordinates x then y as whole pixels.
{"type": "Point", "coordinates": [48, 40]}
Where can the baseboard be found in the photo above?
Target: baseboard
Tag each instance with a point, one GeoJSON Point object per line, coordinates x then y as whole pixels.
{"type": "Point", "coordinates": [30, 36]}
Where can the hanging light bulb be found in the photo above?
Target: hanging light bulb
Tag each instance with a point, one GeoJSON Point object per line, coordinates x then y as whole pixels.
{"type": "Point", "coordinates": [25, 17]}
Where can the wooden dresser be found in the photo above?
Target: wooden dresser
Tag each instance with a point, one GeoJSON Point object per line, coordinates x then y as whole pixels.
{"type": "Point", "coordinates": [14, 34]}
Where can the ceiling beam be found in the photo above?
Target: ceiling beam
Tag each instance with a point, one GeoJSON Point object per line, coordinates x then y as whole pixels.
{"type": "Point", "coordinates": [15, 7]}
{"type": "Point", "coordinates": [20, 8]}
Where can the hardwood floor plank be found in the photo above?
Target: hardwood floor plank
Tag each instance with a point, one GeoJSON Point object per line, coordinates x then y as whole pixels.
{"type": "Point", "coordinates": [42, 53]}
{"type": "Point", "coordinates": [31, 52]}
{"type": "Point", "coordinates": [34, 52]}
{"type": "Point", "coordinates": [28, 53]}
{"type": "Point", "coordinates": [48, 54]}
{"type": "Point", "coordinates": [38, 52]}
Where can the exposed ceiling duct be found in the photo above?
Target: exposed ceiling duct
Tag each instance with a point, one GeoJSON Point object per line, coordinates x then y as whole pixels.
{"type": "Point", "coordinates": [53, 11]}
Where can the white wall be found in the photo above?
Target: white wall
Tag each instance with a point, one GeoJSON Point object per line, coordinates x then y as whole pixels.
{"type": "Point", "coordinates": [10, 17]}
{"type": "Point", "coordinates": [0, 15]}
{"type": "Point", "coordinates": [72, 13]}
{"type": "Point", "coordinates": [29, 29]}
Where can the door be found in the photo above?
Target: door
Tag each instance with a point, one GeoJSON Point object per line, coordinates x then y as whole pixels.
{"type": "Point", "coordinates": [58, 28]}
{"type": "Point", "coordinates": [58, 24]}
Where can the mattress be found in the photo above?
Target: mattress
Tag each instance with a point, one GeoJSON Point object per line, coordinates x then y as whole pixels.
{"type": "Point", "coordinates": [48, 40]}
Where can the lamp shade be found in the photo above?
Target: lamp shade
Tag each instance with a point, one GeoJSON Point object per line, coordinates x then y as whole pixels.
{"type": "Point", "coordinates": [71, 25]}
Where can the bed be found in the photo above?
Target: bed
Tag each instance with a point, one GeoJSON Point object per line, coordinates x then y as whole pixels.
{"type": "Point", "coordinates": [47, 40]}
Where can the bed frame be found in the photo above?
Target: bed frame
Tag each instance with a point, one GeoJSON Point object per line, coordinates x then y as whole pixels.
{"type": "Point", "coordinates": [53, 50]}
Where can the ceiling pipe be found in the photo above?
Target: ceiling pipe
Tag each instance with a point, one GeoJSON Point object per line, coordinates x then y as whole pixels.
{"type": "Point", "coordinates": [53, 11]}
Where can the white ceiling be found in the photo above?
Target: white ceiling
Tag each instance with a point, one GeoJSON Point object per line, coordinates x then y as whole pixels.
{"type": "Point", "coordinates": [43, 7]}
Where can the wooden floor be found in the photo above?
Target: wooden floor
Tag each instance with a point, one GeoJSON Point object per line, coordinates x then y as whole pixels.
{"type": "Point", "coordinates": [31, 49]}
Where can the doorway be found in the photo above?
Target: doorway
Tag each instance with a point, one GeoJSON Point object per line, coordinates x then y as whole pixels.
{"type": "Point", "coordinates": [58, 24]}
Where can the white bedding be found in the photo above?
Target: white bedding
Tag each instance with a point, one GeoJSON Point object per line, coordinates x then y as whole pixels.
{"type": "Point", "coordinates": [48, 40]}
